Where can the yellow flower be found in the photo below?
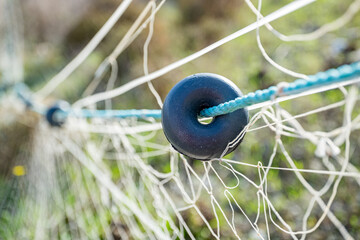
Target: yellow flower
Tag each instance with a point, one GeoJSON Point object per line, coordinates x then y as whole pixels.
{"type": "Point", "coordinates": [19, 171]}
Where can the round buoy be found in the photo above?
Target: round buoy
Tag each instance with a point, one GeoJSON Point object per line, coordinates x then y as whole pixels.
{"type": "Point", "coordinates": [56, 114]}
{"type": "Point", "coordinates": [182, 126]}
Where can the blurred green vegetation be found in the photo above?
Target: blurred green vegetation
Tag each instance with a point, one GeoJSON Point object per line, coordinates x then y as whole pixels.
{"type": "Point", "coordinates": [181, 28]}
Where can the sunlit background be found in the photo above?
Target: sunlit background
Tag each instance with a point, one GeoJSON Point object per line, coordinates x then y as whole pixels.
{"type": "Point", "coordinates": [40, 37]}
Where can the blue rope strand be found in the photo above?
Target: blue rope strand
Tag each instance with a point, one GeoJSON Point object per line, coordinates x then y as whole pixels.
{"type": "Point", "coordinates": [25, 95]}
{"type": "Point", "coordinates": [330, 76]}
{"type": "Point", "coordinates": [107, 114]}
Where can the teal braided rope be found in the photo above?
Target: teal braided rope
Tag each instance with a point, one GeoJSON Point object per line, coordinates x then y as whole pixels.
{"type": "Point", "coordinates": [340, 74]}
{"type": "Point", "coordinates": [108, 114]}
{"type": "Point", "coordinates": [25, 95]}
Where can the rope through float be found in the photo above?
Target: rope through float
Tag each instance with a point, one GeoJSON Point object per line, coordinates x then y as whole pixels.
{"type": "Point", "coordinates": [335, 75]}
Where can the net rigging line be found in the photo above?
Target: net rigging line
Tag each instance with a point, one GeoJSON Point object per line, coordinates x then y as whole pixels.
{"type": "Point", "coordinates": [345, 74]}
{"type": "Point", "coordinates": [331, 76]}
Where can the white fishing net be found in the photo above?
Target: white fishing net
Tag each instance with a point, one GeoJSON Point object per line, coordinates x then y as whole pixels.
{"type": "Point", "coordinates": [294, 176]}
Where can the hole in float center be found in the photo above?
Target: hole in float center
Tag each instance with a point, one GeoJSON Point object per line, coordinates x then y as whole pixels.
{"type": "Point", "coordinates": [205, 120]}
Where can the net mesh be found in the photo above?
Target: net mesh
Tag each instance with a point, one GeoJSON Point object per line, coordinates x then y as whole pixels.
{"type": "Point", "coordinates": [296, 172]}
